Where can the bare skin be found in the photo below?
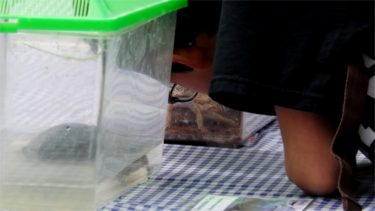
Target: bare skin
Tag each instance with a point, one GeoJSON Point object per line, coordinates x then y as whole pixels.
{"type": "Point", "coordinates": [307, 139]}
{"type": "Point", "coordinates": [200, 58]}
{"type": "Point", "coordinates": [307, 136]}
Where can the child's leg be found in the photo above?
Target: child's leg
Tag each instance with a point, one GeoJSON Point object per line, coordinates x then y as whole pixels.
{"type": "Point", "coordinates": [307, 141]}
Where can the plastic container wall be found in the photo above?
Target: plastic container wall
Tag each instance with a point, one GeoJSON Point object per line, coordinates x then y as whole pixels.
{"type": "Point", "coordinates": [203, 121]}
{"type": "Point", "coordinates": [82, 117]}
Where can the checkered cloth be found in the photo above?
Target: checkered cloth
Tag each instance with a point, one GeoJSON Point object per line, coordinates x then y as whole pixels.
{"type": "Point", "coordinates": [189, 173]}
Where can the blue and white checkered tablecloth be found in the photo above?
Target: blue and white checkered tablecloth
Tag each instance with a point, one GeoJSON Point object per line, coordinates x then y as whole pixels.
{"type": "Point", "coordinates": [189, 173]}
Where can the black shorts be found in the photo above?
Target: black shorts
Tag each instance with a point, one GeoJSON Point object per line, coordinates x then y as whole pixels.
{"type": "Point", "coordinates": [291, 54]}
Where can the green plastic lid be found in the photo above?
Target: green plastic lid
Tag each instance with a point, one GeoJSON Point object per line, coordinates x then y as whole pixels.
{"type": "Point", "coordinates": [81, 15]}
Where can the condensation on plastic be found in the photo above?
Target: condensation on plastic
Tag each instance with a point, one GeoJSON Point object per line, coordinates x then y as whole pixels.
{"type": "Point", "coordinates": [82, 118]}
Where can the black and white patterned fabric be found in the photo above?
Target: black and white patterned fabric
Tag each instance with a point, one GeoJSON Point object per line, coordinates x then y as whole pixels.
{"type": "Point", "coordinates": [367, 128]}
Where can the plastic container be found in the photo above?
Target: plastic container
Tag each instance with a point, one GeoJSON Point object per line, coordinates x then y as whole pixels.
{"type": "Point", "coordinates": [83, 98]}
{"type": "Point", "coordinates": [203, 121]}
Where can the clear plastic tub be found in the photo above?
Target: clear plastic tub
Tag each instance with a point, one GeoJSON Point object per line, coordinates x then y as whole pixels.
{"type": "Point", "coordinates": [82, 115]}
{"type": "Point", "coordinates": [202, 121]}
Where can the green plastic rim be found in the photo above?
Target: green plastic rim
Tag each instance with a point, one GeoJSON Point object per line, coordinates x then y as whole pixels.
{"type": "Point", "coordinates": [81, 15]}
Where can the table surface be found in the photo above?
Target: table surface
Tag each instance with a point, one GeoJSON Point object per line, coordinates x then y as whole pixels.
{"type": "Point", "coordinates": [188, 173]}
